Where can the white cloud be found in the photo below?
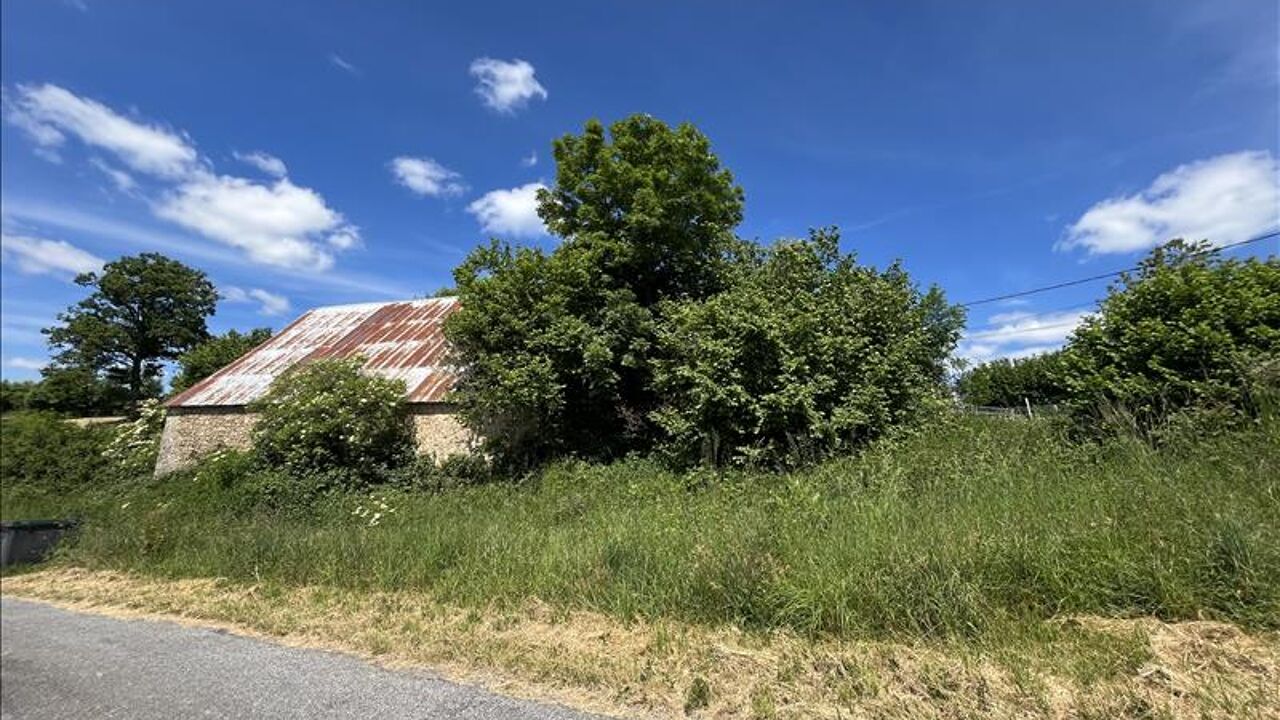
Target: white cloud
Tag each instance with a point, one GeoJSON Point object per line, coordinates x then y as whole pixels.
{"type": "Point", "coordinates": [37, 256]}
{"type": "Point", "coordinates": [123, 181]}
{"type": "Point", "coordinates": [1224, 199]}
{"type": "Point", "coordinates": [26, 363]}
{"type": "Point", "coordinates": [506, 86]}
{"type": "Point", "coordinates": [47, 113]}
{"type": "Point", "coordinates": [337, 61]}
{"type": "Point", "coordinates": [345, 238]}
{"type": "Point", "coordinates": [147, 238]}
{"type": "Point", "coordinates": [269, 164]}
{"type": "Point", "coordinates": [510, 212]}
{"type": "Point", "coordinates": [1019, 334]}
{"type": "Point", "coordinates": [269, 303]}
{"type": "Point", "coordinates": [426, 176]}
{"type": "Point", "coordinates": [530, 160]}
{"type": "Point", "coordinates": [279, 225]}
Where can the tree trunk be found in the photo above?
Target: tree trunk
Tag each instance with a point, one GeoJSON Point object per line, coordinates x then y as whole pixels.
{"type": "Point", "coordinates": [135, 379]}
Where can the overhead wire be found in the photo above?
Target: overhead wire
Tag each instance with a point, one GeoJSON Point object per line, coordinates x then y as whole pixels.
{"type": "Point", "coordinates": [1114, 273]}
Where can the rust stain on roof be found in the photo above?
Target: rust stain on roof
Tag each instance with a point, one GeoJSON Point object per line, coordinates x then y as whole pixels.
{"type": "Point", "coordinates": [400, 340]}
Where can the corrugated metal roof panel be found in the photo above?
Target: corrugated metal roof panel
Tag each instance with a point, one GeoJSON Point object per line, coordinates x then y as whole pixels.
{"type": "Point", "coordinates": [402, 340]}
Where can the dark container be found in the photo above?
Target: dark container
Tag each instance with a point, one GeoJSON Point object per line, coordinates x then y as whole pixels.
{"type": "Point", "coordinates": [30, 541]}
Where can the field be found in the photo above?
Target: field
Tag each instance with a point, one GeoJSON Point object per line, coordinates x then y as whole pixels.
{"type": "Point", "coordinates": [973, 543]}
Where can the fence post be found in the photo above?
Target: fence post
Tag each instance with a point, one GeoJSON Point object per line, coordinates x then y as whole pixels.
{"type": "Point", "coordinates": [1028, 402]}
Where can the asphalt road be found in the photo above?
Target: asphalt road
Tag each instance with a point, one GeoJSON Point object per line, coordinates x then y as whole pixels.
{"type": "Point", "coordinates": [60, 664]}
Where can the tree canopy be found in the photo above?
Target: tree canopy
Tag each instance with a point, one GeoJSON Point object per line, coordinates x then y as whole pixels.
{"type": "Point", "coordinates": [575, 351]}
{"type": "Point", "coordinates": [143, 310]}
{"type": "Point", "coordinates": [557, 345]}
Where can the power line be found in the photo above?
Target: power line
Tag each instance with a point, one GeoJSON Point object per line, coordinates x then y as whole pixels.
{"type": "Point", "coordinates": [1104, 276]}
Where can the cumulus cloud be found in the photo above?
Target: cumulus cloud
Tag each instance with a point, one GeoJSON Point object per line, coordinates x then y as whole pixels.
{"type": "Point", "coordinates": [269, 303]}
{"type": "Point", "coordinates": [26, 363]}
{"type": "Point", "coordinates": [1224, 199]}
{"type": "Point", "coordinates": [269, 164]}
{"type": "Point", "coordinates": [38, 256]}
{"type": "Point", "coordinates": [426, 177]}
{"type": "Point", "coordinates": [274, 223]}
{"type": "Point", "coordinates": [280, 224]}
{"type": "Point", "coordinates": [48, 113]}
{"type": "Point", "coordinates": [1019, 334]}
{"type": "Point", "coordinates": [510, 212]}
{"type": "Point", "coordinates": [506, 86]}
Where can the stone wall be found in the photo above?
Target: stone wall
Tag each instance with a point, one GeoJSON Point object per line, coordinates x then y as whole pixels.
{"type": "Point", "coordinates": [192, 433]}
{"type": "Point", "coordinates": [438, 431]}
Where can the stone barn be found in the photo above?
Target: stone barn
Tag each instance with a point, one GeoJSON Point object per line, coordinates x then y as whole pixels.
{"type": "Point", "coordinates": [402, 340]}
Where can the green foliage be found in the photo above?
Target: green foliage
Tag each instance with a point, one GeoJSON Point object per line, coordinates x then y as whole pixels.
{"type": "Point", "coordinates": [1187, 330]}
{"type": "Point", "coordinates": [43, 450]}
{"type": "Point", "coordinates": [807, 354]}
{"type": "Point", "coordinates": [15, 395]}
{"type": "Point", "coordinates": [1011, 383]}
{"type": "Point", "coordinates": [80, 392]}
{"type": "Point", "coordinates": [557, 346]}
{"type": "Point", "coordinates": [214, 354]}
{"type": "Point", "coordinates": [328, 424]}
{"type": "Point", "coordinates": [143, 310]}
{"type": "Point", "coordinates": [649, 206]}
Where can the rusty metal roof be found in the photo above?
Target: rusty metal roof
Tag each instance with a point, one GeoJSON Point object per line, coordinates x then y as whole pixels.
{"type": "Point", "coordinates": [401, 340]}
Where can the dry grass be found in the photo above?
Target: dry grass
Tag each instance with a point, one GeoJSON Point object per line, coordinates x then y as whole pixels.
{"type": "Point", "coordinates": [1074, 668]}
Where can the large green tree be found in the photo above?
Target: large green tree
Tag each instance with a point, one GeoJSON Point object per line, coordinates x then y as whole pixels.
{"type": "Point", "coordinates": [557, 345]}
{"type": "Point", "coordinates": [214, 354]}
{"type": "Point", "coordinates": [142, 311]}
{"type": "Point", "coordinates": [1189, 328]}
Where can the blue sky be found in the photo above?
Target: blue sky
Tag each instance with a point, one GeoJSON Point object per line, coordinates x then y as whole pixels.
{"type": "Point", "coordinates": [310, 153]}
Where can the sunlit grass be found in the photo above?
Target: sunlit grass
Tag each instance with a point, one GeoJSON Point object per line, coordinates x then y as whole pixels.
{"type": "Point", "coordinates": [964, 530]}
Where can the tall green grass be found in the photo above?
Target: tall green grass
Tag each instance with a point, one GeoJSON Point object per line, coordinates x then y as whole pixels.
{"type": "Point", "coordinates": [959, 529]}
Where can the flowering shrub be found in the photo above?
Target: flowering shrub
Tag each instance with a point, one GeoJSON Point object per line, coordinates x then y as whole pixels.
{"type": "Point", "coordinates": [133, 449]}
{"type": "Point", "coordinates": [326, 418]}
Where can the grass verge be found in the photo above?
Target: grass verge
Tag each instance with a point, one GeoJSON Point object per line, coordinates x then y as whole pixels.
{"type": "Point", "coordinates": [1074, 667]}
{"type": "Point", "coordinates": [963, 530]}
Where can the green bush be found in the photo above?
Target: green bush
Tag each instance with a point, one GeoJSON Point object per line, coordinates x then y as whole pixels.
{"type": "Point", "coordinates": [42, 450]}
{"type": "Point", "coordinates": [331, 425]}
{"type": "Point", "coordinates": [1188, 330]}
{"type": "Point", "coordinates": [1010, 383]}
{"type": "Point", "coordinates": [809, 353]}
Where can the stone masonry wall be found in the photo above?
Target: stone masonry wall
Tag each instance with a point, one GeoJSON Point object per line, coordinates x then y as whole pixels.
{"type": "Point", "coordinates": [438, 431]}
{"type": "Point", "coordinates": [192, 433]}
